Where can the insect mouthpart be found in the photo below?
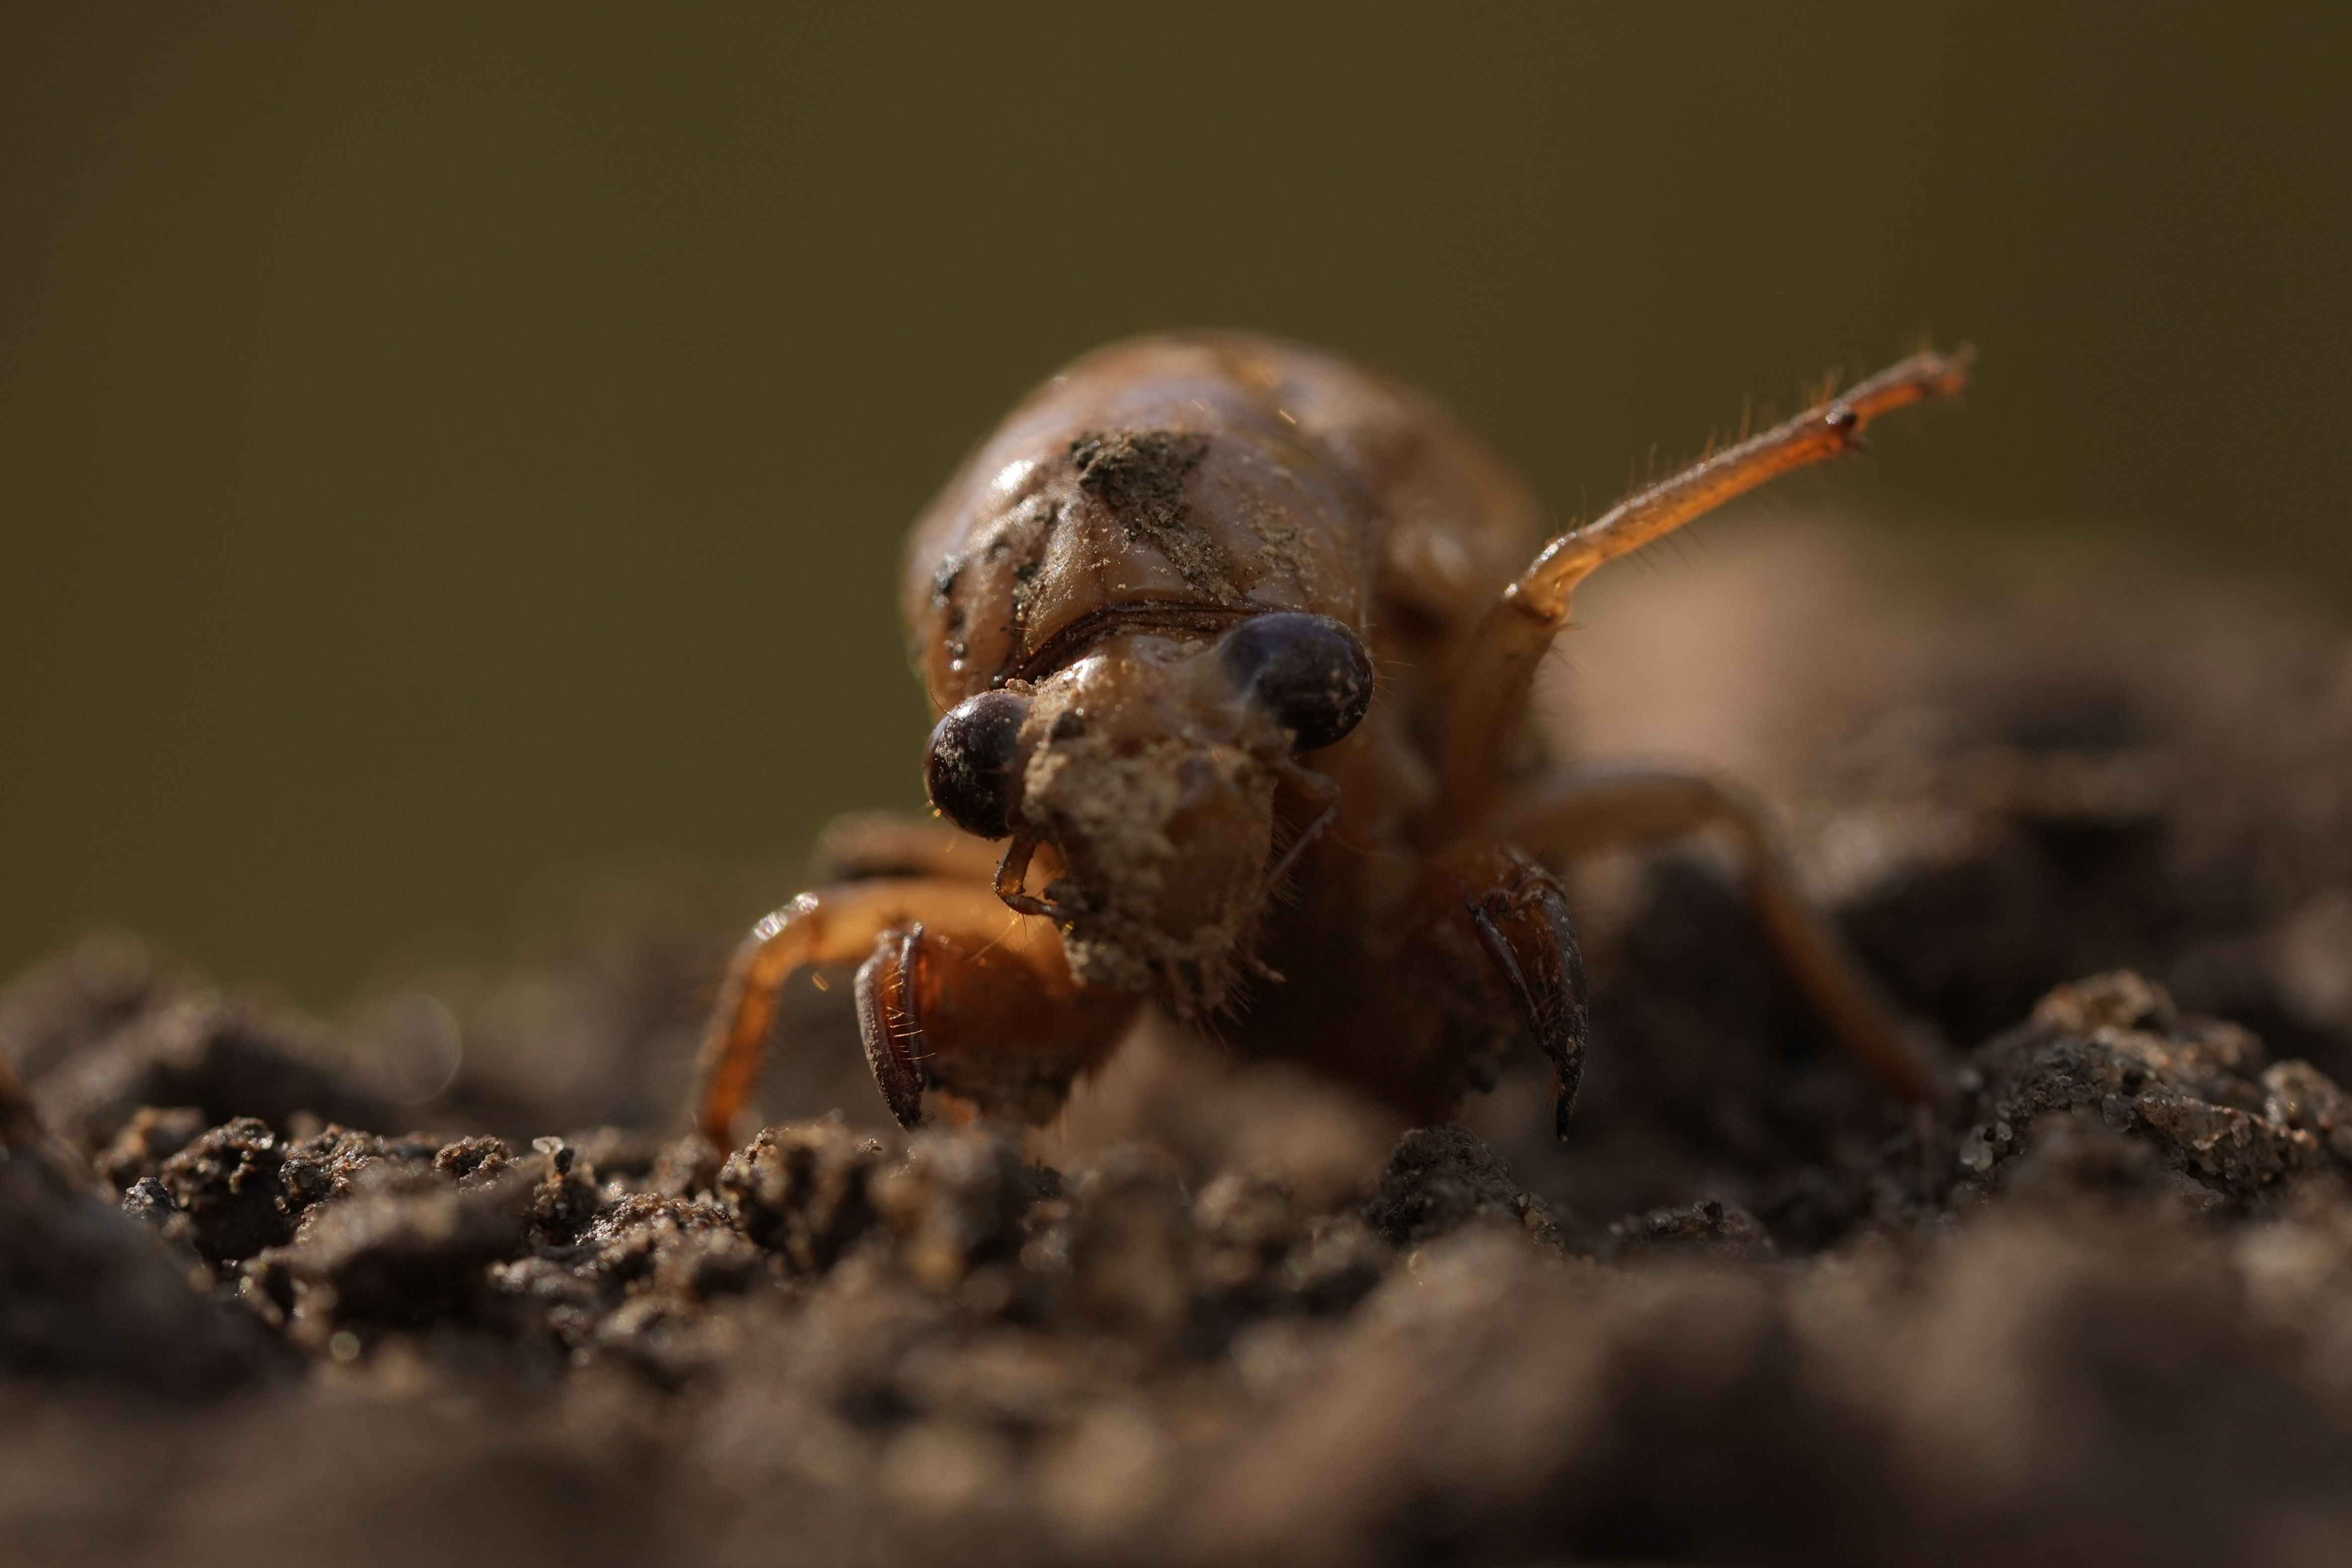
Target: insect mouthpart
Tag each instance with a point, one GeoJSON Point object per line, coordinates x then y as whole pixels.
{"type": "Point", "coordinates": [1150, 768]}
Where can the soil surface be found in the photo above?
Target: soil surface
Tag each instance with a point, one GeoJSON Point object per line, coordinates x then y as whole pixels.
{"type": "Point", "coordinates": [2093, 826]}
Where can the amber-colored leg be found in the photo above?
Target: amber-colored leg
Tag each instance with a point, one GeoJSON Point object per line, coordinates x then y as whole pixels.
{"type": "Point", "coordinates": [957, 992]}
{"type": "Point", "coordinates": [999, 1030]}
{"type": "Point", "coordinates": [1491, 684]}
{"type": "Point", "coordinates": [1574, 815]}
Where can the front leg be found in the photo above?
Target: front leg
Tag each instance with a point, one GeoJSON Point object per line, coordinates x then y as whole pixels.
{"type": "Point", "coordinates": [1495, 946]}
{"type": "Point", "coordinates": [1573, 815]}
{"type": "Point", "coordinates": [955, 992]}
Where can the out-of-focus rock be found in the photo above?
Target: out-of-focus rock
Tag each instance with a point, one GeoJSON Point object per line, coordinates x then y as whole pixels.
{"type": "Point", "coordinates": [226, 1059]}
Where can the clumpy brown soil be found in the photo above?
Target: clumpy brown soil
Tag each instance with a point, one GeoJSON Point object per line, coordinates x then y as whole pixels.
{"type": "Point", "coordinates": [2094, 829]}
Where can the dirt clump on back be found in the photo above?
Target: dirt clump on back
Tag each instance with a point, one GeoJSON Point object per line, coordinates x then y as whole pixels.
{"type": "Point", "coordinates": [1140, 475]}
{"type": "Point", "coordinates": [2097, 1308]}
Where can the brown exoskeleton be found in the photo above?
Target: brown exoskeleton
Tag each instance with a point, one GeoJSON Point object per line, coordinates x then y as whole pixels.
{"type": "Point", "coordinates": [1233, 643]}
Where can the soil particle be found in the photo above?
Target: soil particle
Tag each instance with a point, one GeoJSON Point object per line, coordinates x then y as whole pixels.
{"type": "Point", "coordinates": [473, 1160]}
{"type": "Point", "coordinates": [2198, 1092]}
{"type": "Point", "coordinates": [802, 1190]}
{"type": "Point", "coordinates": [402, 1249]}
{"type": "Point", "coordinates": [151, 1136]}
{"type": "Point", "coordinates": [958, 1201]}
{"type": "Point", "coordinates": [1707, 1228]}
{"type": "Point", "coordinates": [635, 1288]}
{"type": "Point", "coordinates": [150, 1201]}
{"type": "Point", "coordinates": [1442, 1178]}
{"type": "Point", "coordinates": [566, 1199]}
{"type": "Point", "coordinates": [227, 1183]}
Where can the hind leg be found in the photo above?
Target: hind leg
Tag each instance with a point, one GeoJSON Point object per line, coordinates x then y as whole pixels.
{"type": "Point", "coordinates": [955, 993]}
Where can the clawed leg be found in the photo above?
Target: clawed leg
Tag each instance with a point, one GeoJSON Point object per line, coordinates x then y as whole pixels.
{"type": "Point", "coordinates": [1004, 1030]}
{"type": "Point", "coordinates": [955, 992]}
{"type": "Point", "coordinates": [1496, 937]}
{"type": "Point", "coordinates": [1575, 816]}
{"type": "Point", "coordinates": [1525, 927]}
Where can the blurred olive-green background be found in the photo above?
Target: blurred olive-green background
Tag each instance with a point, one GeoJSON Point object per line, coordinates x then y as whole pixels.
{"type": "Point", "coordinates": [443, 448]}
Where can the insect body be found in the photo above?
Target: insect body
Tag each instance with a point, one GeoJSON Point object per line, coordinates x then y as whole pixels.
{"type": "Point", "coordinates": [1233, 643]}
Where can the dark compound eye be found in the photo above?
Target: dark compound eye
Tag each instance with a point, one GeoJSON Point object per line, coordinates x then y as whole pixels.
{"type": "Point", "coordinates": [1312, 673]}
{"type": "Point", "coordinates": [971, 767]}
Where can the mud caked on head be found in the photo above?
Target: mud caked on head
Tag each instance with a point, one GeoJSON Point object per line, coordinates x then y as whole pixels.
{"type": "Point", "coordinates": [1151, 766]}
